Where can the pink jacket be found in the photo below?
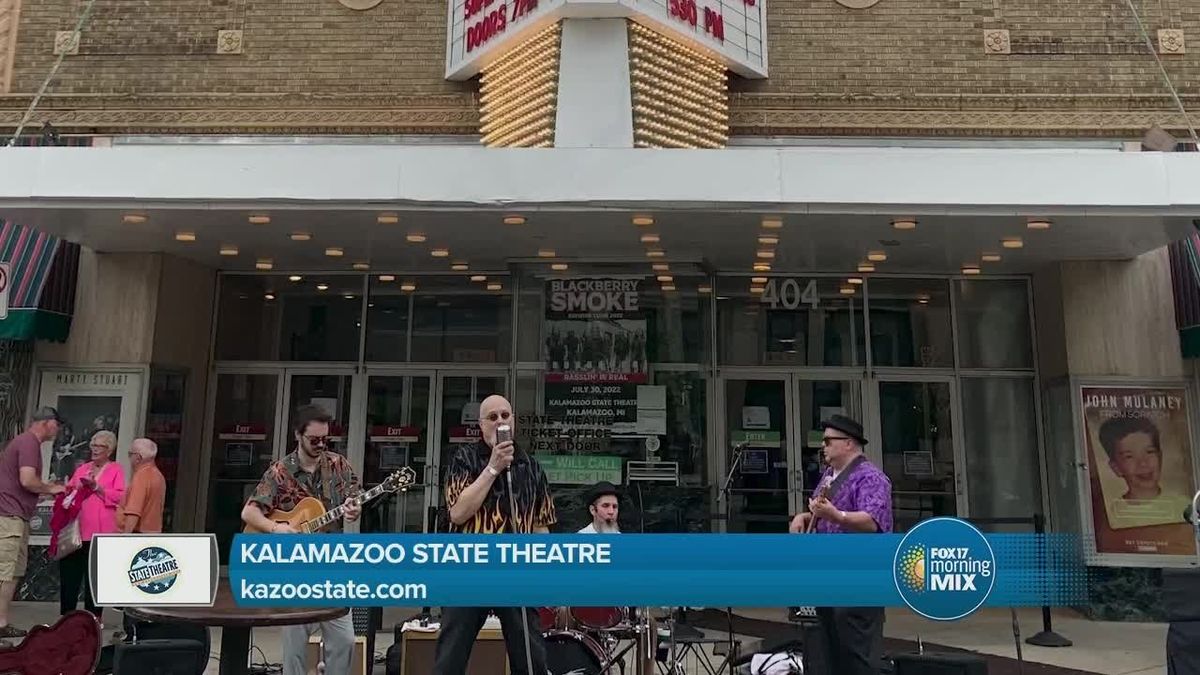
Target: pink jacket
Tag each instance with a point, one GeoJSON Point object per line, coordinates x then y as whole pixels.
{"type": "Point", "coordinates": [99, 512]}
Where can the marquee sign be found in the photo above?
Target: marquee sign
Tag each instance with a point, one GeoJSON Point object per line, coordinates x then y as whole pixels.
{"type": "Point", "coordinates": [732, 32]}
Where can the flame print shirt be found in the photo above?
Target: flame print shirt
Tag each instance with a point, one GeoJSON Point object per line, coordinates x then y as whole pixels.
{"type": "Point", "coordinates": [535, 505]}
{"type": "Point", "coordinates": [286, 482]}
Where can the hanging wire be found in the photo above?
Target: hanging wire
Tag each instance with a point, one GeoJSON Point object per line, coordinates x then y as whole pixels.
{"type": "Point", "coordinates": [87, 11]}
{"type": "Point", "coordinates": [1162, 69]}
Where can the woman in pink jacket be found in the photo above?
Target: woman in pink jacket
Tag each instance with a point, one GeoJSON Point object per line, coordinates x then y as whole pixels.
{"type": "Point", "coordinates": [98, 515]}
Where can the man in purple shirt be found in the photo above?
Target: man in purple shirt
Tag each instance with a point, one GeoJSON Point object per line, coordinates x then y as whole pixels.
{"type": "Point", "coordinates": [20, 488]}
{"type": "Point", "coordinates": [853, 496]}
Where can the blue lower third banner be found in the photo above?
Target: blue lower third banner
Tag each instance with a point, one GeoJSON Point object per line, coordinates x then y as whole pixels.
{"type": "Point", "coordinates": [944, 569]}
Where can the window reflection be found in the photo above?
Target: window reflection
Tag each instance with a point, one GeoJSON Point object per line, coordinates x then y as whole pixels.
{"type": "Point", "coordinates": [289, 318]}
{"type": "Point", "coordinates": [910, 323]}
{"type": "Point", "coordinates": [438, 319]}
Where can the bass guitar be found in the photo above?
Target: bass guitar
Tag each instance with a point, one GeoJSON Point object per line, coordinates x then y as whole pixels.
{"type": "Point", "coordinates": [309, 514]}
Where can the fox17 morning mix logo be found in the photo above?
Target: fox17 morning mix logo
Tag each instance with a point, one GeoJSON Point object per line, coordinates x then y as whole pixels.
{"type": "Point", "coordinates": [944, 569]}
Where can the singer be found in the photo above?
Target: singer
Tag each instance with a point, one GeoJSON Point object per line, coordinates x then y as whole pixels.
{"type": "Point", "coordinates": [477, 497]}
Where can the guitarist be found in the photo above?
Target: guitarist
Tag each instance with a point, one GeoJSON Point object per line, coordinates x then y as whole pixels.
{"type": "Point", "coordinates": [310, 471]}
{"type": "Point", "coordinates": [857, 498]}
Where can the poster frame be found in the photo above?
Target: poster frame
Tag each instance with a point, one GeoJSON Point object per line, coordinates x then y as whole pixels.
{"type": "Point", "coordinates": [1092, 555]}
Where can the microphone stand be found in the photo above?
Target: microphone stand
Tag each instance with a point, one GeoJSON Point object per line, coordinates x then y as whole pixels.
{"type": "Point", "coordinates": [512, 514]}
{"type": "Point", "coordinates": [1196, 520]}
{"type": "Point", "coordinates": [738, 451]}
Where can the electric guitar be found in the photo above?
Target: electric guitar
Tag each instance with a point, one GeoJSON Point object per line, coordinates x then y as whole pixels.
{"type": "Point", "coordinates": [309, 514]}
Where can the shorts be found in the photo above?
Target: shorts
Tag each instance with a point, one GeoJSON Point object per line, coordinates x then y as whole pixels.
{"type": "Point", "coordinates": [14, 547]}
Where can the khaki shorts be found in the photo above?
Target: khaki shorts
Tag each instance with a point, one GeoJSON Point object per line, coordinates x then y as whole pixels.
{"type": "Point", "coordinates": [14, 547]}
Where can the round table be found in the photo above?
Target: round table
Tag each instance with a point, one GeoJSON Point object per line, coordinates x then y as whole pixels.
{"type": "Point", "coordinates": [235, 622]}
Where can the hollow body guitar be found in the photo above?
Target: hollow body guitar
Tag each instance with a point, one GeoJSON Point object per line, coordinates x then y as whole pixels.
{"type": "Point", "coordinates": [309, 514]}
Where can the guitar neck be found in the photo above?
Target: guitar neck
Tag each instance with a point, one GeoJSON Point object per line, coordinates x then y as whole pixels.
{"type": "Point", "coordinates": [336, 513]}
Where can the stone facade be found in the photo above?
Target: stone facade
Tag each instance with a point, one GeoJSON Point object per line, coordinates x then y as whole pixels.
{"type": "Point", "coordinates": [907, 67]}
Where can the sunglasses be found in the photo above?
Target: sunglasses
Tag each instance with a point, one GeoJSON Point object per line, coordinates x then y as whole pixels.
{"type": "Point", "coordinates": [317, 441]}
{"type": "Point", "coordinates": [828, 440]}
{"type": "Point", "coordinates": [492, 417]}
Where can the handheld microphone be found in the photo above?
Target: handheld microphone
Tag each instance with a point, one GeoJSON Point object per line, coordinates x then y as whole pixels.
{"type": "Point", "coordinates": [504, 435]}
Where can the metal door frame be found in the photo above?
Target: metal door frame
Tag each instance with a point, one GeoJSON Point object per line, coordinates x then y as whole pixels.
{"type": "Point", "coordinates": [796, 501]}
{"type": "Point", "coordinates": [434, 494]}
{"type": "Point", "coordinates": [875, 414]}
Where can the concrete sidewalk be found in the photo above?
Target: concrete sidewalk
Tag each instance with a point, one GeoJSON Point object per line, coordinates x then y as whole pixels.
{"type": "Point", "coordinates": [1108, 648]}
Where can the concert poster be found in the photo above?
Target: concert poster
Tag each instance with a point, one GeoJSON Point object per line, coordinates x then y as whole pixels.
{"type": "Point", "coordinates": [1141, 469]}
{"type": "Point", "coordinates": [595, 352]}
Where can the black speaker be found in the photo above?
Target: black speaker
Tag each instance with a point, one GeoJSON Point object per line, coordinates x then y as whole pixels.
{"type": "Point", "coordinates": [816, 650]}
{"type": "Point", "coordinates": [1180, 589]}
{"type": "Point", "coordinates": [939, 664]}
{"type": "Point", "coordinates": [160, 657]}
{"type": "Point", "coordinates": [367, 621]}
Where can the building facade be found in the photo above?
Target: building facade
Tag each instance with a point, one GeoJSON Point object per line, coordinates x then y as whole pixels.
{"type": "Point", "coordinates": [676, 235]}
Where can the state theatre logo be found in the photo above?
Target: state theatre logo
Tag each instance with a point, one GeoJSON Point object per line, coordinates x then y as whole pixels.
{"type": "Point", "coordinates": [153, 570]}
{"type": "Point", "coordinates": [944, 569]}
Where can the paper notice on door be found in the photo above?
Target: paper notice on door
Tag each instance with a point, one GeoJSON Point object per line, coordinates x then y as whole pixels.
{"type": "Point", "coordinates": [470, 413]}
{"type": "Point", "coordinates": [756, 417]}
{"type": "Point", "coordinates": [329, 405]}
{"type": "Point", "coordinates": [830, 411]}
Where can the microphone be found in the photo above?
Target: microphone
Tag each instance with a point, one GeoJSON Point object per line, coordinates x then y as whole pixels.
{"type": "Point", "coordinates": [504, 435]}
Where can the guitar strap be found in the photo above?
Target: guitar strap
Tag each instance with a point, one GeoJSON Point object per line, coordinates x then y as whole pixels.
{"type": "Point", "coordinates": [837, 482]}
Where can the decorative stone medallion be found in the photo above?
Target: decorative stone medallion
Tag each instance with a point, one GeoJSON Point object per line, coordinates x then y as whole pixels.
{"type": "Point", "coordinates": [66, 42]}
{"type": "Point", "coordinates": [359, 5]}
{"type": "Point", "coordinates": [857, 4]}
{"type": "Point", "coordinates": [229, 42]}
{"type": "Point", "coordinates": [997, 41]}
{"type": "Point", "coordinates": [1170, 41]}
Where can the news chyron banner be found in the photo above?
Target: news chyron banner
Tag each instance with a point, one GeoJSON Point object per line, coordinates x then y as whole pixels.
{"type": "Point", "coordinates": [175, 570]}
{"type": "Point", "coordinates": [944, 569]}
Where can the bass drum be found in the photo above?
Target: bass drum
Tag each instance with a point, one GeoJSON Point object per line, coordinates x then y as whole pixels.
{"type": "Point", "coordinates": [569, 651]}
{"type": "Point", "coordinates": [598, 618]}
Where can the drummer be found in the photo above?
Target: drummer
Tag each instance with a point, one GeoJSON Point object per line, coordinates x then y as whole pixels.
{"type": "Point", "coordinates": [603, 503]}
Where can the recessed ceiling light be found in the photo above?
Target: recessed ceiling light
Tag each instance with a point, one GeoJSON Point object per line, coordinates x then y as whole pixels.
{"type": "Point", "coordinates": [264, 264]}
{"type": "Point", "coordinates": [295, 277]}
{"type": "Point", "coordinates": [876, 256]}
{"type": "Point", "coordinates": [762, 267]}
{"type": "Point", "coordinates": [387, 219]}
{"type": "Point", "coordinates": [1012, 242]}
{"type": "Point", "coordinates": [494, 287]}
{"type": "Point", "coordinates": [545, 253]}
{"type": "Point", "coordinates": [990, 257]}
{"type": "Point", "coordinates": [970, 269]}
{"type": "Point", "coordinates": [772, 222]}
{"type": "Point", "coordinates": [665, 278]}
{"type": "Point", "coordinates": [848, 290]}
{"type": "Point", "coordinates": [764, 253]}
{"type": "Point", "coordinates": [704, 288]}
{"type": "Point", "coordinates": [408, 286]}
{"type": "Point", "coordinates": [649, 238]}
{"type": "Point", "coordinates": [514, 220]}
{"type": "Point", "coordinates": [269, 296]}
{"type": "Point", "coordinates": [905, 223]}
{"type": "Point", "coordinates": [643, 221]}
{"type": "Point", "coordinates": [259, 219]}
{"type": "Point", "coordinates": [655, 253]}
{"type": "Point", "coordinates": [559, 267]}
{"type": "Point", "coordinates": [229, 249]}
{"type": "Point", "coordinates": [460, 266]}
{"type": "Point", "coordinates": [668, 288]}
{"type": "Point", "coordinates": [854, 280]}
{"type": "Point", "coordinates": [866, 267]}
{"type": "Point", "coordinates": [322, 287]}
{"type": "Point", "coordinates": [758, 280]}
{"type": "Point", "coordinates": [348, 296]}
{"type": "Point", "coordinates": [478, 277]}
{"type": "Point", "coordinates": [416, 237]}
{"type": "Point", "coordinates": [385, 278]}
{"type": "Point", "coordinates": [923, 297]}
{"type": "Point", "coordinates": [185, 236]}
{"type": "Point", "coordinates": [923, 301]}
{"type": "Point", "coordinates": [440, 253]}
{"type": "Point", "coordinates": [300, 236]}
{"type": "Point", "coordinates": [1038, 223]}
{"type": "Point", "coordinates": [334, 252]}
{"type": "Point", "coordinates": [361, 266]}
{"type": "Point", "coordinates": [660, 267]}
{"type": "Point", "coordinates": [756, 289]}
{"type": "Point", "coordinates": [134, 218]}
{"type": "Point", "coordinates": [768, 239]}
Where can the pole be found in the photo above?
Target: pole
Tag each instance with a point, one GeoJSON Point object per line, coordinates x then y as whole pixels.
{"type": "Point", "coordinates": [1046, 638]}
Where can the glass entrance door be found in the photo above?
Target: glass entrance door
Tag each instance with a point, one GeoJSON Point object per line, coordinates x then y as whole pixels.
{"type": "Point", "coordinates": [458, 418]}
{"type": "Point", "coordinates": [328, 390]}
{"type": "Point", "coordinates": [397, 435]}
{"type": "Point", "coordinates": [918, 447]}
{"type": "Point", "coordinates": [774, 420]}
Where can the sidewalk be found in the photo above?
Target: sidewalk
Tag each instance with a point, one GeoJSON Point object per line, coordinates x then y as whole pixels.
{"type": "Point", "coordinates": [1106, 648]}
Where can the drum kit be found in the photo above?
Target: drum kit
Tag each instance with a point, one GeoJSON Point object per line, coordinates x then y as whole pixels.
{"type": "Point", "coordinates": [595, 640]}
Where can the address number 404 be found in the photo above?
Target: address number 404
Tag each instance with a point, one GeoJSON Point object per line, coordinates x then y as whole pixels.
{"type": "Point", "coordinates": [787, 294]}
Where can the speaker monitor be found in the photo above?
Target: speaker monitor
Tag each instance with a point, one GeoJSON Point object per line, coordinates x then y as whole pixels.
{"type": "Point", "coordinates": [358, 662]}
{"type": "Point", "coordinates": [162, 657]}
{"type": "Point", "coordinates": [940, 664]}
{"type": "Point", "coordinates": [488, 657]}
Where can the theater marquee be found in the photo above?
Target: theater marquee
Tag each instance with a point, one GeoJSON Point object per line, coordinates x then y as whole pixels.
{"type": "Point", "coordinates": [732, 32]}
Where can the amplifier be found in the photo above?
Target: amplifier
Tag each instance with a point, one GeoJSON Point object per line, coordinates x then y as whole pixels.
{"type": "Point", "coordinates": [1180, 589]}
{"type": "Point", "coordinates": [488, 657]}
{"type": "Point", "coordinates": [939, 664]}
{"type": "Point", "coordinates": [358, 662]}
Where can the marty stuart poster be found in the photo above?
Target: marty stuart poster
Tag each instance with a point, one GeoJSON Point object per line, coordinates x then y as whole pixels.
{"type": "Point", "coordinates": [595, 352]}
{"type": "Point", "coordinates": [1141, 471]}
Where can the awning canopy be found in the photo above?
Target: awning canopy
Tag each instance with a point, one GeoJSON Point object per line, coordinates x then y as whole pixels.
{"type": "Point", "coordinates": [41, 294]}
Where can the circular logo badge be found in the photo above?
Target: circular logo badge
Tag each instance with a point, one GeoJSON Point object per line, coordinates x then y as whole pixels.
{"type": "Point", "coordinates": [153, 570]}
{"type": "Point", "coordinates": [944, 569]}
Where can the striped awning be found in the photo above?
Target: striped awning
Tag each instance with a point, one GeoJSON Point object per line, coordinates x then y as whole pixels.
{"type": "Point", "coordinates": [41, 297]}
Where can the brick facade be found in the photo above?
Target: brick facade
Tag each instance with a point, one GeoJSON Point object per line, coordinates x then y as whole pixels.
{"type": "Point", "coordinates": [1072, 67]}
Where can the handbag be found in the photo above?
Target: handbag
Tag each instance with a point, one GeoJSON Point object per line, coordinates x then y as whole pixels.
{"type": "Point", "coordinates": [68, 540]}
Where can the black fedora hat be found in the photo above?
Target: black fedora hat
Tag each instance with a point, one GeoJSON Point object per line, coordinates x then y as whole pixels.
{"type": "Point", "coordinates": [602, 489]}
{"type": "Point", "coordinates": [846, 426]}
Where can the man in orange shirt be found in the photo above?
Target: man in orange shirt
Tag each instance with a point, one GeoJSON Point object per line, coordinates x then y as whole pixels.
{"type": "Point", "coordinates": [142, 508]}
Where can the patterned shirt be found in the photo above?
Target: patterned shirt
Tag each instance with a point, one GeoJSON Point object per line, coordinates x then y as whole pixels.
{"type": "Point", "coordinates": [867, 489]}
{"type": "Point", "coordinates": [535, 505]}
{"type": "Point", "coordinates": [285, 483]}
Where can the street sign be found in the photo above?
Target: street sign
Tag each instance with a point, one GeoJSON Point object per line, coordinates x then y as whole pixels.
{"type": "Point", "coordinates": [4, 283]}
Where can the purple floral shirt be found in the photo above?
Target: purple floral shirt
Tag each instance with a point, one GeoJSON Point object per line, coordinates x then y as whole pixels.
{"type": "Point", "coordinates": [867, 489]}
